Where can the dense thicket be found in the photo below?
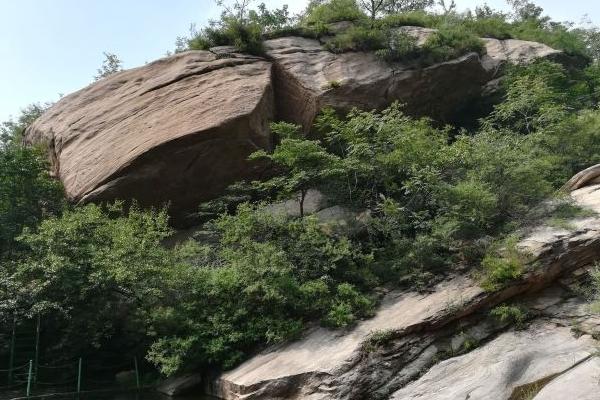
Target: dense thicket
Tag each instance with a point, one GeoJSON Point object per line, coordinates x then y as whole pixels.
{"type": "Point", "coordinates": [437, 199]}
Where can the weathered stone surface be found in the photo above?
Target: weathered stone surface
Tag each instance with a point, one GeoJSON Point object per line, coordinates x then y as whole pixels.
{"type": "Point", "coordinates": [588, 176]}
{"type": "Point", "coordinates": [186, 123]}
{"type": "Point", "coordinates": [176, 130]}
{"type": "Point", "coordinates": [298, 369]}
{"type": "Point", "coordinates": [308, 77]}
{"type": "Point", "coordinates": [338, 220]}
{"type": "Point", "coordinates": [314, 202]}
{"type": "Point", "coordinates": [495, 370]}
{"type": "Point", "coordinates": [581, 383]}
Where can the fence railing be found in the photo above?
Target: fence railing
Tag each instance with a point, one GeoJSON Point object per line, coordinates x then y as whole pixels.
{"type": "Point", "coordinates": [71, 375]}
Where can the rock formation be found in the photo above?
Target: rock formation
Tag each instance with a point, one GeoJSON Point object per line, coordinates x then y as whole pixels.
{"type": "Point", "coordinates": [177, 130]}
{"type": "Point", "coordinates": [185, 124]}
{"type": "Point", "coordinates": [443, 345]}
{"type": "Point", "coordinates": [308, 77]}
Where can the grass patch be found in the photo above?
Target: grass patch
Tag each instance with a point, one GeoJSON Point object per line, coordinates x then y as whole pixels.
{"type": "Point", "coordinates": [514, 315]}
{"type": "Point", "coordinates": [563, 214]}
{"type": "Point", "coordinates": [503, 263]}
{"type": "Point", "coordinates": [332, 85]}
{"type": "Point", "coordinates": [377, 340]}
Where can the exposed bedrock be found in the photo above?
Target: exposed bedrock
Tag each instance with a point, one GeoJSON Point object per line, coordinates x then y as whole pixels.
{"type": "Point", "coordinates": [179, 129]}
{"type": "Point", "coordinates": [420, 330]}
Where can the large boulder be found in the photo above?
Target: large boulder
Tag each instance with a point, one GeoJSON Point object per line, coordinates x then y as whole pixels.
{"type": "Point", "coordinates": [308, 77]}
{"type": "Point", "coordinates": [177, 130]}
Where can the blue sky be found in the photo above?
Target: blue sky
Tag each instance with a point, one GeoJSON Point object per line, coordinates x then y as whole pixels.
{"type": "Point", "coordinates": [49, 47]}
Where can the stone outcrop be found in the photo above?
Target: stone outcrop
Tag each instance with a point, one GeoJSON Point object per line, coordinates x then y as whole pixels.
{"type": "Point", "coordinates": [308, 77]}
{"type": "Point", "coordinates": [588, 176]}
{"type": "Point", "coordinates": [397, 353]}
{"type": "Point", "coordinates": [179, 130]}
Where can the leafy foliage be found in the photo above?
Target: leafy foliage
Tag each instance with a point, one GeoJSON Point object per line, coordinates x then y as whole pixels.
{"type": "Point", "coordinates": [27, 191]}
{"type": "Point", "coordinates": [87, 274]}
{"type": "Point", "coordinates": [239, 26]}
{"type": "Point", "coordinates": [326, 12]}
{"type": "Point", "coordinates": [510, 314]}
{"type": "Point", "coordinates": [111, 65]}
{"type": "Point", "coordinates": [263, 280]}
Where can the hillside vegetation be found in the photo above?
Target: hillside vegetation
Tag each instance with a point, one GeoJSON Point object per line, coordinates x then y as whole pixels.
{"type": "Point", "coordinates": [439, 199]}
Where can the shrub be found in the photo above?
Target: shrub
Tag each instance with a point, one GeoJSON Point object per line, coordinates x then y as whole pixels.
{"type": "Point", "coordinates": [246, 37]}
{"type": "Point", "coordinates": [451, 42]}
{"type": "Point", "coordinates": [401, 47]}
{"type": "Point", "coordinates": [260, 283]}
{"type": "Point", "coordinates": [489, 27]}
{"type": "Point", "coordinates": [357, 38]}
{"type": "Point", "coordinates": [332, 11]}
{"type": "Point", "coordinates": [555, 35]}
{"type": "Point", "coordinates": [510, 314]}
{"type": "Point", "coordinates": [413, 18]}
{"type": "Point", "coordinates": [503, 263]}
{"type": "Point", "coordinates": [82, 267]}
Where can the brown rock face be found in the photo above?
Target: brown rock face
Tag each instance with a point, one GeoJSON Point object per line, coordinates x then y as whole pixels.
{"type": "Point", "coordinates": [177, 130]}
{"type": "Point", "coordinates": [308, 77]}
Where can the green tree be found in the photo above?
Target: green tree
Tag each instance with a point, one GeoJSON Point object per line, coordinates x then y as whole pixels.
{"type": "Point", "coordinates": [27, 191]}
{"type": "Point", "coordinates": [92, 273]}
{"type": "Point", "coordinates": [306, 164]}
{"type": "Point", "coordinates": [111, 65]}
{"type": "Point", "coordinates": [402, 6]}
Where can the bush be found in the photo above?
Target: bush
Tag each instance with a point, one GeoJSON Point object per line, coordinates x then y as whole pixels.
{"type": "Point", "coordinates": [401, 47]}
{"type": "Point", "coordinates": [510, 314]}
{"type": "Point", "coordinates": [555, 35]}
{"type": "Point", "coordinates": [357, 38]}
{"type": "Point", "coordinates": [264, 280]}
{"type": "Point", "coordinates": [489, 27]}
{"type": "Point", "coordinates": [451, 42]}
{"type": "Point", "coordinates": [503, 263]}
{"type": "Point", "coordinates": [332, 11]}
{"type": "Point", "coordinates": [246, 37]}
{"type": "Point", "coordinates": [89, 275]}
{"type": "Point", "coordinates": [412, 18]}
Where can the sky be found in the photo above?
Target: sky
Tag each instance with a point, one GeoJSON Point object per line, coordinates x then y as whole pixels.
{"type": "Point", "coordinates": [53, 47]}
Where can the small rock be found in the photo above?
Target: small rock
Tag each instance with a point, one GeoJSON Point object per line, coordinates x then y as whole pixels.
{"type": "Point", "coordinates": [180, 385]}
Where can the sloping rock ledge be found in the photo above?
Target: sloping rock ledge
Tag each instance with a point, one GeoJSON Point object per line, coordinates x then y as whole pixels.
{"type": "Point", "coordinates": [421, 330]}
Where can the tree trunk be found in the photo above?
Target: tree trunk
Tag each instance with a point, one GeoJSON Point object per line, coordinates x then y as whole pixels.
{"type": "Point", "coordinates": [302, 197]}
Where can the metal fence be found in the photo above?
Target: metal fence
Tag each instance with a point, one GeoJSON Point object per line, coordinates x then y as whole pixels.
{"type": "Point", "coordinates": [27, 378]}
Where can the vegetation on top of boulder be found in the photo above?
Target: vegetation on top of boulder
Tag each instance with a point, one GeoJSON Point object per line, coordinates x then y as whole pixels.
{"type": "Point", "coordinates": [458, 33]}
